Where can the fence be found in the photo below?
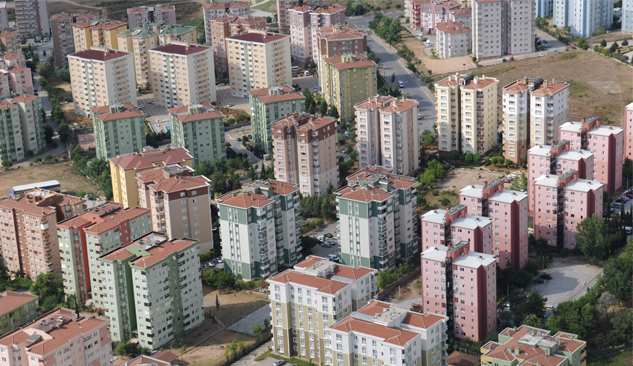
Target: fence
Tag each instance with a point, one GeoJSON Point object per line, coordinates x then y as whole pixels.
{"type": "Point", "coordinates": [382, 295]}
{"type": "Point", "coordinates": [265, 337]}
{"type": "Point", "coordinates": [611, 352]}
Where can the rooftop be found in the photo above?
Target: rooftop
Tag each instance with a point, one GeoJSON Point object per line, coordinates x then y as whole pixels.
{"type": "Point", "coordinates": [313, 263]}
{"type": "Point", "coordinates": [151, 157]}
{"type": "Point", "coordinates": [257, 37]}
{"type": "Point", "coordinates": [10, 300]}
{"type": "Point", "coordinates": [40, 202]}
{"type": "Point", "coordinates": [103, 218]}
{"type": "Point", "coordinates": [99, 54]}
{"type": "Point", "coordinates": [149, 250]}
{"type": "Point", "coordinates": [181, 48]}
{"type": "Point", "coordinates": [277, 187]}
{"type": "Point", "coordinates": [244, 199]}
{"type": "Point", "coordinates": [452, 27]}
{"type": "Point", "coordinates": [227, 5]}
{"type": "Point", "coordinates": [304, 121]}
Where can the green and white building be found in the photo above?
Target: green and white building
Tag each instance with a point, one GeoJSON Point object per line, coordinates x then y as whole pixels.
{"type": "Point", "coordinates": [269, 105]}
{"type": "Point", "coordinates": [376, 219]}
{"type": "Point", "coordinates": [21, 127]}
{"type": "Point", "coordinates": [154, 289]}
{"type": "Point", "coordinates": [119, 129]}
{"type": "Point", "coordinates": [199, 128]}
{"type": "Point", "coordinates": [258, 228]}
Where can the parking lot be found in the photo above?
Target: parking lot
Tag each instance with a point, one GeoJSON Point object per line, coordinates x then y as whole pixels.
{"type": "Point", "coordinates": [570, 280]}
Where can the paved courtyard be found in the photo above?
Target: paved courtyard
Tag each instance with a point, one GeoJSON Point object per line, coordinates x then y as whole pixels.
{"type": "Point", "coordinates": [570, 280]}
{"type": "Point", "coordinates": [246, 324]}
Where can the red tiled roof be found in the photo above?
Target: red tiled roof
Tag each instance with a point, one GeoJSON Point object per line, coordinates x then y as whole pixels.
{"type": "Point", "coordinates": [104, 218]}
{"type": "Point", "coordinates": [264, 91]}
{"type": "Point", "coordinates": [364, 194]}
{"type": "Point", "coordinates": [320, 284]}
{"type": "Point", "coordinates": [244, 199]}
{"type": "Point", "coordinates": [24, 98]}
{"type": "Point", "coordinates": [200, 116]}
{"type": "Point", "coordinates": [482, 82]}
{"type": "Point", "coordinates": [177, 184]}
{"type": "Point", "coordinates": [330, 9]}
{"type": "Point", "coordinates": [119, 115]}
{"type": "Point", "coordinates": [462, 359]}
{"type": "Point", "coordinates": [278, 187]}
{"type": "Point", "coordinates": [99, 55]}
{"type": "Point", "coordinates": [180, 48]}
{"type": "Point", "coordinates": [390, 335]}
{"type": "Point", "coordinates": [10, 300]}
{"type": "Point", "coordinates": [452, 27]}
{"type": "Point", "coordinates": [352, 273]}
{"type": "Point", "coordinates": [148, 159]}
{"type": "Point", "coordinates": [106, 108]}
{"type": "Point", "coordinates": [304, 121]}
{"type": "Point", "coordinates": [257, 37]}
{"type": "Point", "coordinates": [162, 251]}
{"type": "Point", "coordinates": [232, 4]}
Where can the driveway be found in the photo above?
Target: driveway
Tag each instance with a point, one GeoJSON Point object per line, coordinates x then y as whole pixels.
{"type": "Point", "coordinates": [157, 113]}
{"type": "Point", "coordinates": [570, 280]}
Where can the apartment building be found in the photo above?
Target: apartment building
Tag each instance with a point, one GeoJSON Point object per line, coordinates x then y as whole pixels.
{"type": "Point", "coordinates": [182, 74]}
{"type": "Point", "coordinates": [628, 128]}
{"type": "Point", "coordinates": [157, 276]}
{"type": "Point", "coordinates": [479, 127]}
{"type": "Point", "coordinates": [18, 309]}
{"type": "Point", "coordinates": [337, 41]}
{"type": "Point", "coordinates": [15, 80]}
{"type": "Point", "coordinates": [62, 33]}
{"type": "Point", "coordinates": [218, 10]}
{"type": "Point", "coordinates": [305, 20]}
{"type": "Point", "coordinates": [38, 249]}
{"type": "Point", "coordinates": [51, 336]}
{"type": "Point", "coordinates": [347, 80]}
{"type": "Point", "coordinates": [426, 14]}
{"type": "Point", "coordinates": [199, 128]}
{"type": "Point", "coordinates": [561, 203]}
{"type": "Point", "coordinates": [583, 17]}
{"type": "Point", "coordinates": [99, 77]}
{"type": "Point", "coordinates": [101, 33]}
{"type": "Point", "coordinates": [227, 26]}
{"type": "Point", "coordinates": [258, 228]}
{"type": "Point", "coordinates": [386, 133]}
{"type": "Point", "coordinates": [142, 15]}
{"type": "Point", "coordinates": [269, 105]}
{"type": "Point", "coordinates": [464, 14]}
{"type": "Point", "coordinates": [139, 41]}
{"type": "Point", "coordinates": [502, 27]}
{"type": "Point", "coordinates": [123, 170]}
{"type": "Point", "coordinates": [468, 303]}
{"type": "Point", "coordinates": [448, 120]}
{"type": "Point", "coordinates": [9, 41]}
{"type": "Point", "coordinates": [179, 203]}
{"type": "Point", "coordinates": [607, 145]}
{"type": "Point", "coordinates": [555, 160]}
{"type": "Point", "coordinates": [627, 16]}
{"type": "Point", "coordinates": [304, 146]}
{"type": "Point", "coordinates": [258, 60]}
{"type": "Point", "coordinates": [323, 293]}
{"type": "Point", "coordinates": [544, 8]}
{"type": "Point", "coordinates": [31, 18]}
{"type": "Point", "coordinates": [22, 127]}
{"type": "Point", "coordinates": [453, 39]}
{"type": "Point", "coordinates": [119, 129]}
{"type": "Point", "coordinates": [455, 225]}
{"type": "Point", "coordinates": [4, 15]}
{"type": "Point", "coordinates": [508, 211]}
{"type": "Point", "coordinates": [283, 6]}
{"type": "Point", "coordinates": [83, 238]}
{"type": "Point", "coordinates": [13, 59]}
{"type": "Point", "coordinates": [377, 211]}
{"type": "Point", "coordinates": [533, 110]}
{"type": "Point", "coordinates": [534, 346]}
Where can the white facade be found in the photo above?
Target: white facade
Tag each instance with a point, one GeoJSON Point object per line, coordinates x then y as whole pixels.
{"type": "Point", "coordinates": [584, 16]}
{"type": "Point", "coordinates": [627, 16]}
{"type": "Point", "coordinates": [453, 39]}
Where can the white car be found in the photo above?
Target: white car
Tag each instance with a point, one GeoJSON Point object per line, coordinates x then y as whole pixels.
{"type": "Point", "coordinates": [401, 84]}
{"type": "Point", "coordinates": [229, 105]}
{"type": "Point", "coordinates": [219, 260]}
{"type": "Point", "coordinates": [140, 106]}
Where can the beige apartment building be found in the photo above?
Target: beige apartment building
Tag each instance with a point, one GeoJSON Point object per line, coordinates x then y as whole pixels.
{"type": "Point", "coordinates": [447, 106]}
{"type": "Point", "coordinates": [337, 41]}
{"type": "Point", "coordinates": [10, 41]}
{"type": "Point", "coordinates": [283, 6]}
{"type": "Point", "coordinates": [218, 10]}
{"type": "Point", "coordinates": [31, 17]}
{"type": "Point", "coordinates": [386, 133]}
{"type": "Point", "coordinates": [22, 127]}
{"type": "Point", "coordinates": [258, 60]}
{"type": "Point", "coordinates": [99, 77]}
{"type": "Point", "coordinates": [182, 74]}
{"type": "Point", "coordinates": [142, 15]}
{"type": "Point", "coordinates": [304, 147]}
{"type": "Point", "coordinates": [307, 300]}
{"type": "Point", "coordinates": [226, 26]}
{"type": "Point", "coordinates": [139, 41]}
{"type": "Point", "coordinates": [199, 128]}
{"type": "Point", "coordinates": [62, 33]}
{"type": "Point", "coordinates": [179, 203]}
{"type": "Point", "coordinates": [33, 247]}
{"type": "Point", "coordinates": [97, 33]}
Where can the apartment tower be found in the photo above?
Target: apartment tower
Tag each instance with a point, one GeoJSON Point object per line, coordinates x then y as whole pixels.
{"type": "Point", "coordinates": [336, 41]}
{"type": "Point", "coordinates": [16, 310]}
{"type": "Point", "coordinates": [62, 32]}
{"type": "Point", "coordinates": [305, 22]}
{"type": "Point", "coordinates": [424, 15]}
{"type": "Point", "coordinates": [10, 41]}
{"type": "Point", "coordinates": [453, 39]}
{"type": "Point", "coordinates": [22, 127]}
{"type": "Point", "coordinates": [628, 131]}
{"type": "Point", "coordinates": [199, 128]}
{"type": "Point", "coordinates": [478, 102]}
{"type": "Point", "coordinates": [218, 10]}
{"type": "Point", "coordinates": [283, 6]}
{"type": "Point", "coordinates": [583, 17]}
{"type": "Point", "coordinates": [227, 26]}
{"type": "Point", "coordinates": [119, 129]}
{"type": "Point", "coordinates": [31, 18]}
{"type": "Point", "coordinates": [102, 33]}
{"type": "Point", "coordinates": [142, 15]}
{"type": "Point", "coordinates": [454, 225]}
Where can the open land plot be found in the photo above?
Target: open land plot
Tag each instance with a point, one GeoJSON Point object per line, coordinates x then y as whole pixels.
{"type": "Point", "coordinates": [435, 65]}
{"type": "Point", "coordinates": [570, 280]}
{"type": "Point", "coordinates": [234, 305]}
{"type": "Point", "coordinates": [211, 352]}
{"type": "Point", "coordinates": [408, 294]}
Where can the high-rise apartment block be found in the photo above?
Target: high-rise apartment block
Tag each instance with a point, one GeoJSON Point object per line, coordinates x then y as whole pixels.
{"type": "Point", "coordinates": [103, 33]}
{"type": "Point", "coordinates": [46, 339]}
{"type": "Point", "coordinates": [258, 60]}
{"type": "Point", "coordinates": [4, 15]}
{"type": "Point", "coordinates": [508, 211]}
{"type": "Point", "coordinates": [226, 26]}
{"type": "Point", "coordinates": [31, 18]}
{"type": "Point", "coordinates": [139, 41]}
{"type": "Point", "coordinates": [347, 80]}
{"type": "Point", "coordinates": [305, 21]}
{"type": "Point", "coordinates": [119, 129]}
{"type": "Point", "coordinates": [182, 74]}
{"type": "Point", "coordinates": [218, 10]}
{"type": "Point", "coordinates": [283, 6]}
{"type": "Point", "coordinates": [62, 32]}
{"type": "Point", "coordinates": [533, 110]}
{"type": "Point", "coordinates": [307, 300]}
{"type": "Point", "coordinates": [454, 225]}
{"type": "Point", "coordinates": [555, 160]}
{"type": "Point", "coordinates": [179, 203]}
{"type": "Point", "coordinates": [584, 16]}
{"type": "Point", "coordinates": [544, 8]}
{"type": "Point", "coordinates": [22, 127]}
{"type": "Point", "coordinates": [35, 251]}
{"type": "Point", "coordinates": [376, 219]}
{"type": "Point", "coordinates": [607, 145]}
{"type": "Point", "coordinates": [84, 238]}
{"type": "Point", "coordinates": [337, 41]}
{"type": "Point", "coordinates": [258, 228]}
{"type": "Point", "coordinates": [534, 346]}
{"type": "Point", "coordinates": [156, 292]}
{"type": "Point", "coordinates": [628, 131]}
{"type": "Point", "coordinates": [502, 27]}
{"type": "Point", "coordinates": [101, 77]}
{"type": "Point", "coordinates": [142, 15]}
{"type": "Point", "coordinates": [561, 203]}
{"type": "Point", "coordinates": [386, 133]}
{"type": "Point", "coordinates": [16, 309]}
{"type": "Point", "coordinates": [304, 147]}
{"type": "Point", "coordinates": [12, 59]}
{"type": "Point", "coordinates": [461, 284]}
{"type": "Point", "coordinates": [199, 128]}
{"type": "Point", "coordinates": [453, 39]}
{"type": "Point", "coordinates": [464, 14]}
{"type": "Point", "coordinates": [9, 41]}
{"type": "Point", "coordinates": [269, 105]}
{"type": "Point", "coordinates": [425, 14]}
{"type": "Point", "coordinates": [627, 16]}
{"type": "Point", "coordinates": [15, 80]}
{"type": "Point", "coordinates": [123, 170]}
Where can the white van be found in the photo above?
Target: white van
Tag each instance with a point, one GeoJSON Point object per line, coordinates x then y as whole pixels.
{"type": "Point", "coordinates": [295, 68]}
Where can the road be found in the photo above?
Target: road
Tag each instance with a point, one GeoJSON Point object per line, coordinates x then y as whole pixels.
{"type": "Point", "coordinates": [391, 63]}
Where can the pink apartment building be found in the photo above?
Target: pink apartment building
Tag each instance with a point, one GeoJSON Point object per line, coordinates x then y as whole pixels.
{"type": "Point", "coordinates": [142, 15]}
{"type": "Point", "coordinates": [628, 127]}
{"type": "Point", "coordinates": [339, 39]}
{"type": "Point", "coordinates": [425, 14]}
{"type": "Point", "coordinates": [554, 160]}
{"type": "Point", "coordinates": [605, 142]}
{"type": "Point", "coordinates": [561, 203]}
{"type": "Point", "coordinates": [454, 225]}
{"type": "Point", "coordinates": [305, 22]}
{"type": "Point", "coordinates": [461, 284]}
{"type": "Point", "coordinates": [283, 6]}
{"type": "Point", "coordinates": [56, 338]}
{"type": "Point", "coordinates": [508, 211]}
{"type": "Point", "coordinates": [218, 10]}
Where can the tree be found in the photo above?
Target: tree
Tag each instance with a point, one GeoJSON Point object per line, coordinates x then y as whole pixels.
{"type": "Point", "coordinates": [217, 302]}
{"type": "Point", "coordinates": [64, 132]}
{"type": "Point", "coordinates": [603, 43]}
{"type": "Point", "coordinates": [591, 237]}
{"type": "Point", "coordinates": [48, 134]}
{"type": "Point", "coordinates": [45, 70]}
{"type": "Point", "coordinates": [614, 47]}
{"type": "Point", "coordinates": [532, 321]}
{"type": "Point", "coordinates": [334, 112]}
{"type": "Point", "coordinates": [445, 202]}
{"type": "Point", "coordinates": [469, 157]}
{"type": "Point", "coordinates": [535, 303]}
{"type": "Point", "coordinates": [625, 43]}
{"type": "Point", "coordinates": [121, 349]}
{"type": "Point", "coordinates": [257, 330]}
{"type": "Point", "coordinates": [323, 108]}
{"type": "Point", "coordinates": [605, 301]}
{"type": "Point", "coordinates": [622, 325]}
{"type": "Point", "coordinates": [427, 138]}
{"type": "Point", "coordinates": [519, 183]}
{"type": "Point", "coordinates": [49, 290]}
{"type": "Point", "coordinates": [393, 77]}
{"type": "Point", "coordinates": [308, 242]}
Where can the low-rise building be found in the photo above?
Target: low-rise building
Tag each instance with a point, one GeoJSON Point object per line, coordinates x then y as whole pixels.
{"type": "Point", "coordinates": [119, 129]}
{"type": "Point", "coordinates": [464, 14]}
{"type": "Point", "coordinates": [453, 39]}
{"type": "Point", "coordinates": [199, 128]}
{"type": "Point", "coordinates": [227, 26]}
{"type": "Point", "coordinates": [102, 33]}
{"type": "Point", "coordinates": [142, 15]}
{"type": "Point", "coordinates": [454, 225]}
{"type": "Point", "coordinates": [22, 127]}
{"type": "Point", "coordinates": [16, 310]}
{"type": "Point", "coordinates": [62, 32]}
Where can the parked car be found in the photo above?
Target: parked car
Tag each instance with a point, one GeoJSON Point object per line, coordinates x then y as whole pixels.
{"type": "Point", "coordinates": [333, 258]}
{"type": "Point", "coordinates": [503, 60]}
{"type": "Point", "coordinates": [511, 59]}
{"type": "Point", "coordinates": [419, 116]}
{"type": "Point", "coordinates": [315, 89]}
{"type": "Point", "coordinates": [140, 106]}
{"type": "Point", "coordinates": [546, 276]}
{"type": "Point", "coordinates": [229, 105]}
{"type": "Point", "coordinates": [250, 137]}
{"type": "Point", "coordinates": [38, 41]}
{"type": "Point", "coordinates": [538, 281]}
{"type": "Point", "coordinates": [629, 230]}
{"type": "Point", "coordinates": [279, 362]}
{"type": "Point", "coordinates": [401, 84]}
{"type": "Point", "coordinates": [328, 236]}
{"type": "Point", "coordinates": [219, 260]}
{"type": "Point", "coordinates": [239, 139]}
{"type": "Point", "coordinates": [321, 238]}
{"type": "Point", "coordinates": [541, 54]}
{"type": "Point", "coordinates": [63, 102]}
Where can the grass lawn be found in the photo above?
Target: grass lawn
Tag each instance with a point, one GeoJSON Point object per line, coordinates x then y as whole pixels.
{"type": "Point", "coordinates": [621, 359]}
